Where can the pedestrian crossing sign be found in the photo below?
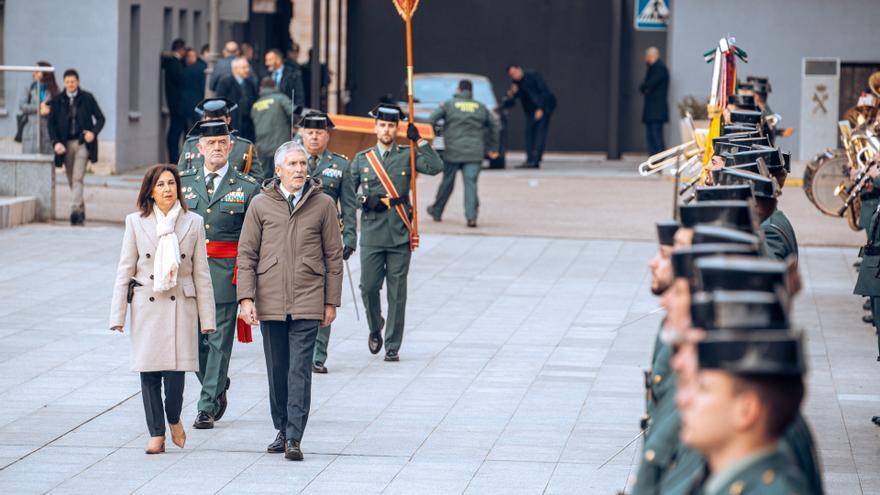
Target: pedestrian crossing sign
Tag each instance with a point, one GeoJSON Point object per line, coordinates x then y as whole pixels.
{"type": "Point", "coordinates": [651, 15]}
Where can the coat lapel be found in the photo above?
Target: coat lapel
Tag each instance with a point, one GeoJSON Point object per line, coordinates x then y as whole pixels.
{"type": "Point", "coordinates": [184, 222]}
{"type": "Point", "coordinates": [223, 187]}
{"type": "Point", "coordinates": [148, 227]}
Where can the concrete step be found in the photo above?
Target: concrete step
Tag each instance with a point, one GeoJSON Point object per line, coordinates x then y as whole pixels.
{"type": "Point", "coordinates": [17, 211]}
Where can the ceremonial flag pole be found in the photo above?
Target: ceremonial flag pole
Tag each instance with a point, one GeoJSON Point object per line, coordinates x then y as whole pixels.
{"type": "Point", "coordinates": [406, 8]}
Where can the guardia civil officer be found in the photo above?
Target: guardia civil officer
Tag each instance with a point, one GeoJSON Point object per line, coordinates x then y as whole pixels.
{"type": "Point", "coordinates": [381, 183]}
{"type": "Point", "coordinates": [242, 157]}
{"type": "Point", "coordinates": [469, 131]}
{"type": "Point", "coordinates": [221, 195]}
{"type": "Point", "coordinates": [331, 169]}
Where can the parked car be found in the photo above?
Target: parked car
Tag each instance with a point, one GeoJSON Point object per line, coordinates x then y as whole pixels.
{"type": "Point", "coordinates": [432, 89]}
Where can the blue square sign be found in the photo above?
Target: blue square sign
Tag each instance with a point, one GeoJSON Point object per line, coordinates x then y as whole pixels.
{"type": "Point", "coordinates": [651, 15]}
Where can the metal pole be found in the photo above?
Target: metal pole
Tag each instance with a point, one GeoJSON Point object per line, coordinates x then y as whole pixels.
{"type": "Point", "coordinates": [315, 61]}
{"type": "Point", "coordinates": [213, 42]}
{"type": "Point", "coordinates": [339, 108]}
{"type": "Point", "coordinates": [39, 108]}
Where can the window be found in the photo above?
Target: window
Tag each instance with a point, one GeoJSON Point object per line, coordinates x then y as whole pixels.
{"type": "Point", "coordinates": [167, 33]}
{"type": "Point", "coordinates": [134, 61]}
{"type": "Point", "coordinates": [197, 30]}
{"type": "Point", "coordinates": [183, 26]}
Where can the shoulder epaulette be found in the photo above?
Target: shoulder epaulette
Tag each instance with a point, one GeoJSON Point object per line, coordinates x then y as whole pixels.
{"type": "Point", "coordinates": [340, 155]}
{"type": "Point", "coordinates": [245, 177]}
{"type": "Point", "coordinates": [188, 172]}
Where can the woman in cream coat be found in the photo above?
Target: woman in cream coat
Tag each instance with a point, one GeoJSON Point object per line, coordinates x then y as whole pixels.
{"type": "Point", "coordinates": [164, 269]}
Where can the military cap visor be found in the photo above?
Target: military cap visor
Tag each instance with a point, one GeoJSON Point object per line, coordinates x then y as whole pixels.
{"type": "Point", "coordinates": [745, 117]}
{"type": "Point", "coordinates": [743, 102]}
{"type": "Point", "coordinates": [739, 310]}
{"type": "Point", "coordinates": [711, 234]}
{"type": "Point", "coordinates": [387, 112]}
{"type": "Point", "coordinates": [316, 120]}
{"type": "Point", "coordinates": [684, 259]}
{"type": "Point", "coordinates": [763, 187]}
{"type": "Point", "coordinates": [740, 127]}
{"type": "Point", "coordinates": [765, 353]}
{"type": "Point", "coordinates": [727, 213]}
{"type": "Point", "coordinates": [722, 145]}
{"type": "Point", "coordinates": [730, 165]}
{"type": "Point", "coordinates": [740, 192]}
{"type": "Point", "coordinates": [215, 107]}
{"type": "Point", "coordinates": [752, 140]}
{"type": "Point", "coordinates": [772, 156]}
{"type": "Point", "coordinates": [740, 273]}
{"type": "Point", "coordinates": [666, 232]}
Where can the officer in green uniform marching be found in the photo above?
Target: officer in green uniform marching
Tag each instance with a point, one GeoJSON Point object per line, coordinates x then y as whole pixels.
{"type": "Point", "coordinates": [469, 132]}
{"type": "Point", "coordinates": [382, 173]}
{"type": "Point", "coordinates": [243, 155]}
{"type": "Point", "coordinates": [221, 194]}
{"type": "Point", "coordinates": [332, 169]}
{"type": "Point", "coordinates": [868, 282]}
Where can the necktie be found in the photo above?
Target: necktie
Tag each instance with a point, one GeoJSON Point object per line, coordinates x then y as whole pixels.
{"type": "Point", "coordinates": [313, 162]}
{"type": "Point", "coordinates": [384, 155]}
{"type": "Point", "coordinates": [277, 77]}
{"type": "Point", "coordinates": [291, 200]}
{"type": "Point", "coordinates": [209, 183]}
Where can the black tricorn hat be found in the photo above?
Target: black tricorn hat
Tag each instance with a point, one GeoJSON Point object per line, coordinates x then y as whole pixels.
{"type": "Point", "coordinates": [763, 187]}
{"type": "Point", "coordinates": [741, 192]}
{"type": "Point", "coordinates": [729, 164]}
{"type": "Point", "coordinates": [729, 213]}
{"type": "Point", "coordinates": [745, 117]}
{"type": "Point", "coordinates": [684, 259]}
{"type": "Point", "coordinates": [750, 353]}
{"type": "Point", "coordinates": [740, 273]}
{"type": "Point", "coordinates": [740, 127]}
{"type": "Point", "coordinates": [722, 145]}
{"type": "Point", "coordinates": [215, 108]}
{"type": "Point", "coordinates": [388, 112]}
{"type": "Point", "coordinates": [316, 120]}
{"type": "Point", "coordinates": [666, 232]}
{"type": "Point", "coordinates": [712, 234]}
{"type": "Point", "coordinates": [208, 128]}
{"type": "Point", "coordinates": [740, 310]}
{"type": "Point", "coordinates": [772, 156]}
{"type": "Point", "coordinates": [751, 140]}
{"type": "Point", "coordinates": [743, 102]}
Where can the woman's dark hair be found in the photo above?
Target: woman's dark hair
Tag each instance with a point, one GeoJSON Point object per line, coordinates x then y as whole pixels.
{"type": "Point", "coordinates": [145, 200]}
{"type": "Point", "coordinates": [48, 79]}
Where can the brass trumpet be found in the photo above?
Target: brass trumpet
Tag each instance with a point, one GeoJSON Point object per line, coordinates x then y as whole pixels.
{"type": "Point", "coordinates": [670, 157]}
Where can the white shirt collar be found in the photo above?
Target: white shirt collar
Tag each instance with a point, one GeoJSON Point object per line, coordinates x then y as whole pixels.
{"type": "Point", "coordinates": [287, 193]}
{"type": "Point", "coordinates": [72, 95]}
{"type": "Point", "coordinates": [220, 173]}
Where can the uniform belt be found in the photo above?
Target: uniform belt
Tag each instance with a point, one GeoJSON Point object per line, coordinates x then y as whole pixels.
{"type": "Point", "coordinates": [869, 251]}
{"type": "Point", "coordinates": [870, 195]}
{"type": "Point", "coordinates": [222, 249]}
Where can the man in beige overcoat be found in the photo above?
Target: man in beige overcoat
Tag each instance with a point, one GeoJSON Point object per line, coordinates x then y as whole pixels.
{"type": "Point", "coordinates": [290, 278]}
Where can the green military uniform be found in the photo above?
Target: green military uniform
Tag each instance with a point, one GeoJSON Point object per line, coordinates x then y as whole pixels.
{"type": "Point", "coordinates": [332, 169]}
{"type": "Point", "coordinates": [869, 202]}
{"type": "Point", "coordinates": [384, 243]}
{"type": "Point", "coordinates": [469, 131]}
{"type": "Point", "coordinates": [779, 236]}
{"type": "Point", "coordinates": [271, 116]}
{"type": "Point", "coordinates": [767, 473]}
{"type": "Point", "coordinates": [243, 151]}
{"type": "Point", "coordinates": [868, 283]}
{"type": "Point", "coordinates": [224, 214]}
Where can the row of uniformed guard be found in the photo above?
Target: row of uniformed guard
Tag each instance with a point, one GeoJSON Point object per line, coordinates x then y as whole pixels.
{"type": "Point", "coordinates": [726, 379]}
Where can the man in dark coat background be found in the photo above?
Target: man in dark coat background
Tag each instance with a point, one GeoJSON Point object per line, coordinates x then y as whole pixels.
{"type": "Point", "coordinates": [287, 78]}
{"type": "Point", "coordinates": [239, 89]}
{"type": "Point", "coordinates": [655, 87]}
{"type": "Point", "coordinates": [193, 85]}
{"type": "Point", "coordinates": [173, 67]}
{"type": "Point", "coordinates": [538, 104]}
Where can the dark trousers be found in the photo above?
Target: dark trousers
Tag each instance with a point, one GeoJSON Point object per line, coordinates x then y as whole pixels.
{"type": "Point", "coordinates": [288, 346]}
{"type": "Point", "coordinates": [536, 137]}
{"type": "Point", "coordinates": [391, 266]}
{"type": "Point", "coordinates": [176, 129]}
{"type": "Point", "coordinates": [654, 136]}
{"type": "Point", "coordinates": [151, 390]}
{"type": "Point", "coordinates": [469, 172]}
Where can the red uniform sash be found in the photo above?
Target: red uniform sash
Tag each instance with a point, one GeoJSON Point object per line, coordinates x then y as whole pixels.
{"type": "Point", "coordinates": [392, 191]}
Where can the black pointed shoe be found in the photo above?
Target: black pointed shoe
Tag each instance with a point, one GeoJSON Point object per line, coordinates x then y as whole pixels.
{"type": "Point", "coordinates": [277, 447]}
{"type": "Point", "coordinates": [867, 305]}
{"type": "Point", "coordinates": [223, 402]}
{"type": "Point", "coordinates": [292, 452]}
{"type": "Point", "coordinates": [434, 215]}
{"type": "Point", "coordinates": [868, 318]}
{"type": "Point", "coordinates": [204, 421]}
{"type": "Point", "coordinates": [392, 356]}
{"type": "Point", "coordinates": [318, 367]}
{"type": "Point", "coordinates": [375, 342]}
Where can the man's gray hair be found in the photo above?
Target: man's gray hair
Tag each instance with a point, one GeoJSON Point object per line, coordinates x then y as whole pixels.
{"type": "Point", "coordinates": [288, 148]}
{"type": "Point", "coordinates": [240, 62]}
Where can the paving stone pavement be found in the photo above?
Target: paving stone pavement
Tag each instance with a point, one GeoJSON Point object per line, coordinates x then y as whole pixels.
{"type": "Point", "coordinates": [520, 373]}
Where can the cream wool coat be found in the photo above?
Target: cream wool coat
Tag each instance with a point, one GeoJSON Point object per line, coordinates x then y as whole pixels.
{"type": "Point", "coordinates": [164, 325]}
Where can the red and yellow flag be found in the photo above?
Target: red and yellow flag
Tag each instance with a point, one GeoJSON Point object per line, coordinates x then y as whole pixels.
{"type": "Point", "coordinates": [401, 6]}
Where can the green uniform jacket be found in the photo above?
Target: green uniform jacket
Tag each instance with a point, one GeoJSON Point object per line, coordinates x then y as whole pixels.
{"type": "Point", "coordinates": [386, 229]}
{"type": "Point", "coordinates": [772, 474]}
{"type": "Point", "coordinates": [868, 283]}
{"type": "Point", "coordinates": [224, 215]}
{"type": "Point", "coordinates": [469, 129]}
{"type": "Point", "coordinates": [661, 379]}
{"type": "Point", "coordinates": [271, 116]}
{"type": "Point", "coordinates": [238, 157]}
{"type": "Point", "coordinates": [869, 204]}
{"type": "Point", "coordinates": [779, 236]}
{"type": "Point", "coordinates": [331, 168]}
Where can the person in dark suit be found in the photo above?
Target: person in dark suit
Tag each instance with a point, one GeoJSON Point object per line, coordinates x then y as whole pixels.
{"type": "Point", "coordinates": [193, 85]}
{"type": "Point", "coordinates": [538, 103]}
{"type": "Point", "coordinates": [239, 89]}
{"type": "Point", "coordinates": [173, 68]}
{"type": "Point", "coordinates": [288, 78]}
{"type": "Point", "coordinates": [655, 87]}
{"type": "Point", "coordinates": [75, 119]}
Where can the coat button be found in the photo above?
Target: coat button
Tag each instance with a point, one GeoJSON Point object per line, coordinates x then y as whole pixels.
{"type": "Point", "coordinates": [151, 277]}
{"type": "Point", "coordinates": [152, 298]}
{"type": "Point", "coordinates": [148, 255]}
{"type": "Point", "coordinates": [172, 298]}
{"type": "Point", "coordinates": [206, 228]}
{"type": "Point", "coordinates": [182, 256]}
{"type": "Point", "coordinates": [208, 210]}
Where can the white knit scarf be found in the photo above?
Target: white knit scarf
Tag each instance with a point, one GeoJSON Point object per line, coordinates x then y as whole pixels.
{"type": "Point", "coordinates": [167, 259]}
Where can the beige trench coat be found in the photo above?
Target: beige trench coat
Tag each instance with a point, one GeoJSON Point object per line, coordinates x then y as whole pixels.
{"type": "Point", "coordinates": [164, 325]}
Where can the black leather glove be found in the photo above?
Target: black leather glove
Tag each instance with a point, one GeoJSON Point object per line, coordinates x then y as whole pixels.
{"type": "Point", "coordinates": [346, 252]}
{"type": "Point", "coordinates": [412, 132]}
{"type": "Point", "coordinates": [374, 203]}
